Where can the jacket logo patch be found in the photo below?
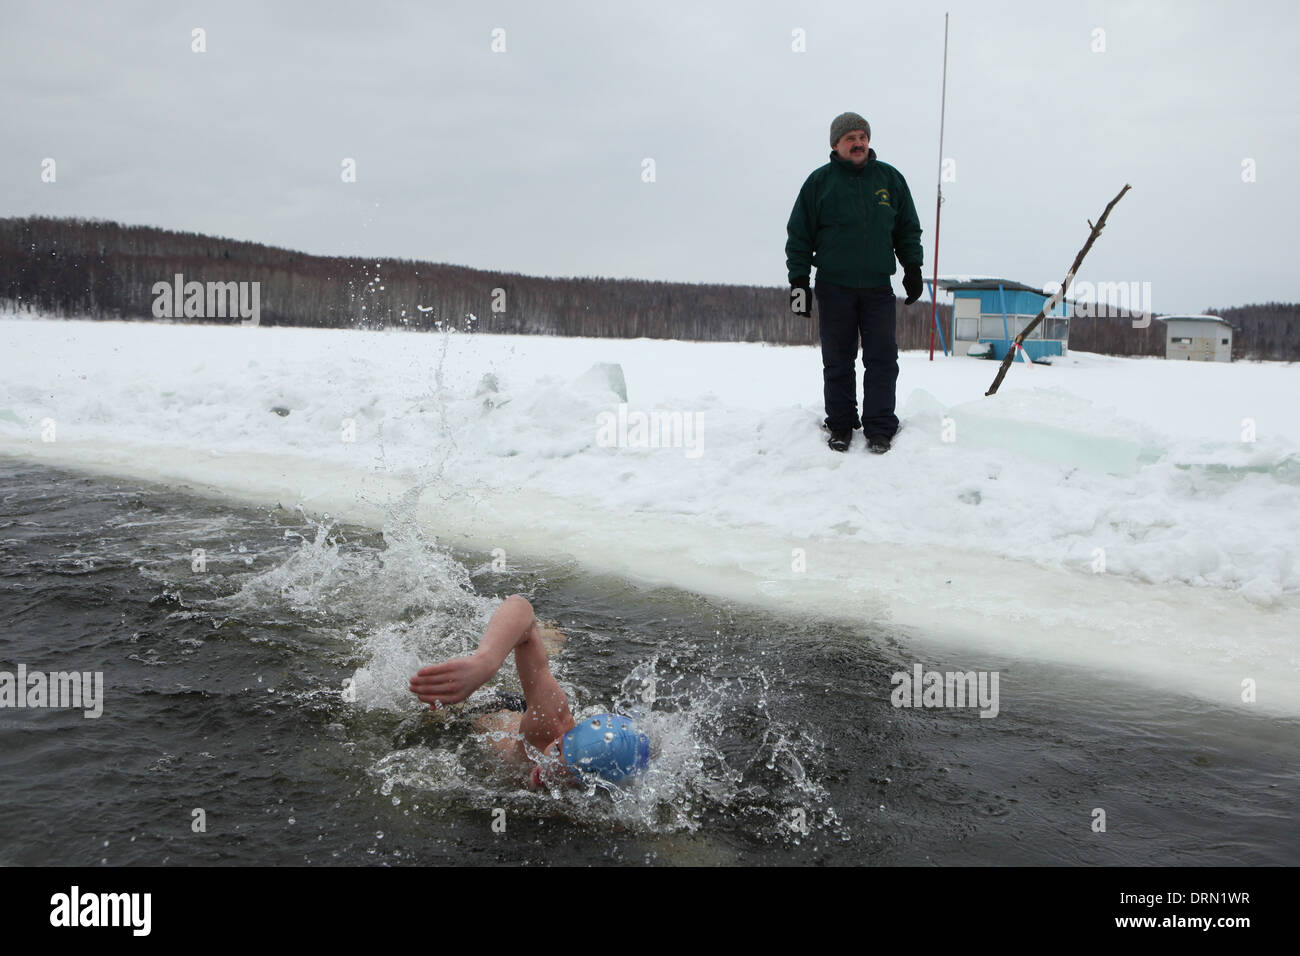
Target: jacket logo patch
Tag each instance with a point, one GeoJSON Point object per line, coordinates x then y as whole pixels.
{"type": "Point", "coordinates": [882, 197]}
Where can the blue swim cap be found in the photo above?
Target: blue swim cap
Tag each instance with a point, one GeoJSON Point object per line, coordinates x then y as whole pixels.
{"type": "Point", "coordinates": [607, 745]}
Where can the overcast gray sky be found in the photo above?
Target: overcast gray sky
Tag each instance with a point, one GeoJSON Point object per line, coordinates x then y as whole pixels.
{"type": "Point", "coordinates": [531, 160]}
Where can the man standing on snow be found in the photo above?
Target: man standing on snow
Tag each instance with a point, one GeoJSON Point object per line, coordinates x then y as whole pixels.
{"type": "Point", "coordinates": [852, 217]}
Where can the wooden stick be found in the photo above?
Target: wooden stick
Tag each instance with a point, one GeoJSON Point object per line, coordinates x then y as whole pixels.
{"type": "Point", "coordinates": [1059, 297]}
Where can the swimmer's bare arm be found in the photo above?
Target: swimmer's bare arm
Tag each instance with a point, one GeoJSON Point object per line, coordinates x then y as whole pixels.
{"type": "Point", "coordinates": [513, 627]}
{"type": "Point", "coordinates": [548, 713]}
{"type": "Point", "coordinates": [453, 681]}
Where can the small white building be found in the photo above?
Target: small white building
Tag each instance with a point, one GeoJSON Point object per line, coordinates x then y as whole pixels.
{"type": "Point", "coordinates": [1199, 338]}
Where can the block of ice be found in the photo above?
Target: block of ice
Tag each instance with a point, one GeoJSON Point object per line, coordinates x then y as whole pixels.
{"type": "Point", "coordinates": [603, 377]}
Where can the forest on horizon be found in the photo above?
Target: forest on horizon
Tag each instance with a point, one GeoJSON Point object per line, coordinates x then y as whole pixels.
{"type": "Point", "coordinates": [104, 270]}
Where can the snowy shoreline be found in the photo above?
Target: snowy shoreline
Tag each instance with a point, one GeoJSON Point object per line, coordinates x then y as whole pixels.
{"type": "Point", "coordinates": [988, 541]}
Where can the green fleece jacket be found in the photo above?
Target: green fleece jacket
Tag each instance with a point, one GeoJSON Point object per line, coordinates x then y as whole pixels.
{"type": "Point", "coordinates": [850, 221]}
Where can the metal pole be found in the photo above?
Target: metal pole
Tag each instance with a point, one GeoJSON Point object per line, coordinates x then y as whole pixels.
{"type": "Point", "coordinates": [938, 205]}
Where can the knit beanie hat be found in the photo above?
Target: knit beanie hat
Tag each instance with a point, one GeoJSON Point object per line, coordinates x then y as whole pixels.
{"type": "Point", "coordinates": [847, 123]}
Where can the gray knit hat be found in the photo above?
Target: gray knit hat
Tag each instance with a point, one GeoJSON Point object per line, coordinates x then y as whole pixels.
{"type": "Point", "coordinates": [847, 123]}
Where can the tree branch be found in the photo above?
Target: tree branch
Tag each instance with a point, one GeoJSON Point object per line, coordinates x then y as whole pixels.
{"type": "Point", "coordinates": [1059, 296]}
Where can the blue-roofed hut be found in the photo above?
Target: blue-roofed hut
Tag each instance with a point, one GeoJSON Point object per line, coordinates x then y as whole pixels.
{"type": "Point", "coordinates": [994, 311]}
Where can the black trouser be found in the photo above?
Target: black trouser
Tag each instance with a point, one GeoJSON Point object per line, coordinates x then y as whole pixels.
{"type": "Point", "coordinates": [844, 316]}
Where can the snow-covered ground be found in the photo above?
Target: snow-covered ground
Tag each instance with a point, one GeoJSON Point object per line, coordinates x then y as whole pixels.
{"type": "Point", "coordinates": [1134, 516]}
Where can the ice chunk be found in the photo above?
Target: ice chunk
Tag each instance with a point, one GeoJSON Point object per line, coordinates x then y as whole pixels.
{"type": "Point", "coordinates": [1054, 426]}
{"type": "Point", "coordinates": [603, 377]}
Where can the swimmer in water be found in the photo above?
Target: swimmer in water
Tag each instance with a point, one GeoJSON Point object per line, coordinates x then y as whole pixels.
{"type": "Point", "coordinates": [604, 745]}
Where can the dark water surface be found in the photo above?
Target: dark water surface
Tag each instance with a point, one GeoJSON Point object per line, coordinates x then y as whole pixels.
{"type": "Point", "coordinates": [776, 742]}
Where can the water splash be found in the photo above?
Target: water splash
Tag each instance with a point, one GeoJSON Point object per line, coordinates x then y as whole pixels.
{"type": "Point", "coordinates": [326, 579]}
{"type": "Point", "coordinates": [702, 771]}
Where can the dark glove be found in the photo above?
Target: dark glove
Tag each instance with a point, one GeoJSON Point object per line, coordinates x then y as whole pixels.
{"type": "Point", "coordinates": [912, 284]}
{"type": "Point", "coordinates": [801, 297]}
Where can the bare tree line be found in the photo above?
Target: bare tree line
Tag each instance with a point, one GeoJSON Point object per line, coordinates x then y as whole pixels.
{"type": "Point", "coordinates": [1115, 335]}
{"type": "Point", "coordinates": [1267, 331]}
{"type": "Point", "coordinates": [105, 270]}
{"type": "Point", "coordinates": [1270, 331]}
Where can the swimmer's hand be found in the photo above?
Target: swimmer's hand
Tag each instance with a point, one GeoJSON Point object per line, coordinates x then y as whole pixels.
{"type": "Point", "coordinates": [453, 681]}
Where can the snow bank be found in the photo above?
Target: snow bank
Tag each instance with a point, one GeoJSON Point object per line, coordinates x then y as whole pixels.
{"type": "Point", "coordinates": [1102, 511]}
